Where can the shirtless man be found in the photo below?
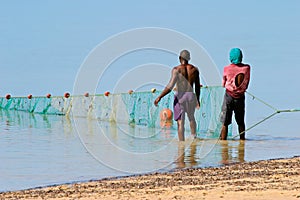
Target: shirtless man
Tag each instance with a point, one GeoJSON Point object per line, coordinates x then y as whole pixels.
{"type": "Point", "coordinates": [185, 76]}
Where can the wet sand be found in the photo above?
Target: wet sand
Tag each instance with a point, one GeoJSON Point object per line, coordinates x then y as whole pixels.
{"type": "Point", "coordinates": [270, 179]}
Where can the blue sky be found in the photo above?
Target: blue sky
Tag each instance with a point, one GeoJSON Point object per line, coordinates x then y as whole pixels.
{"type": "Point", "coordinates": [43, 43]}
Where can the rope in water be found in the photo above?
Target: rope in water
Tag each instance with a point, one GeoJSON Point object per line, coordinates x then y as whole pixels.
{"type": "Point", "coordinates": [276, 111]}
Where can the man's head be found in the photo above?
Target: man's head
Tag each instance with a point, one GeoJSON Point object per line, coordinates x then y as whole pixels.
{"type": "Point", "coordinates": [235, 56]}
{"type": "Point", "coordinates": [184, 56]}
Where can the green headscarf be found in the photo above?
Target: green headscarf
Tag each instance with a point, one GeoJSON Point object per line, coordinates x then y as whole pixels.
{"type": "Point", "coordinates": [235, 56]}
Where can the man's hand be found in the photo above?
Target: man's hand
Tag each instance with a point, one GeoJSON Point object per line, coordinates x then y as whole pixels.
{"type": "Point", "coordinates": [198, 106]}
{"type": "Point", "coordinates": [156, 101]}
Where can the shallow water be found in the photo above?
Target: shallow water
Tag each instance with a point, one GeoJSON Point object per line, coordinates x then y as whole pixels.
{"type": "Point", "coordinates": [39, 150]}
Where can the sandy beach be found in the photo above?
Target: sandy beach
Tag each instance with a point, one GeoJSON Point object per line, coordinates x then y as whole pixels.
{"type": "Point", "coordinates": [270, 179]}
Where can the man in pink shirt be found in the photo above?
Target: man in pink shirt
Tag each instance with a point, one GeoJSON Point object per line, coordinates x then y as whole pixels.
{"type": "Point", "coordinates": [236, 77]}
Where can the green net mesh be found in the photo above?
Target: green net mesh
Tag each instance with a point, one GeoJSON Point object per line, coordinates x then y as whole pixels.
{"type": "Point", "coordinates": [135, 109]}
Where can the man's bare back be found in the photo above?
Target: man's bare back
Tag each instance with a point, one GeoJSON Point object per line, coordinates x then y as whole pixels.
{"type": "Point", "coordinates": [185, 76]}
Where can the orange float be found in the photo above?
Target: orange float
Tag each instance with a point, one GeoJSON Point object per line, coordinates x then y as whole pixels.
{"type": "Point", "coordinates": [48, 95]}
{"type": "Point", "coordinates": [107, 93]}
{"type": "Point", "coordinates": [67, 95]}
{"type": "Point", "coordinates": [86, 94]}
{"type": "Point", "coordinates": [8, 96]}
{"type": "Point", "coordinates": [166, 118]}
{"type": "Point", "coordinates": [130, 91]}
{"type": "Point", "coordinates": [29, 96]}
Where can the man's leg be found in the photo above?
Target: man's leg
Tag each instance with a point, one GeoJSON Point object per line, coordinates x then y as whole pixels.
{"type": "Point", "coordinates": [193, 124]}
{"type": "Point", "coordinates": [239, 111]}
{"type": "Point", "coordinates": [226, 116]}
{"type": "Point", "coordinates": [242, 130]}
{"type": "Point", "coordinates": [193, 128]}
{"type": "Point", "coordinates": [191, 107]}
{"type": "Point", "coordinates": [180, 125]}
{"type": "Point", "coordinates": [224, 132]}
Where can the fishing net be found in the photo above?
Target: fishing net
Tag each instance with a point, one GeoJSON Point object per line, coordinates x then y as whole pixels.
{"type": "Point", "coordinates": [134, 109]}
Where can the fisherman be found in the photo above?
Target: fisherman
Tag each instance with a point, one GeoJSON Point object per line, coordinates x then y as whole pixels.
{"type": "Point", "coordinates": [185, 76]}
{"type": "Point", "coordinates": [236, 77]}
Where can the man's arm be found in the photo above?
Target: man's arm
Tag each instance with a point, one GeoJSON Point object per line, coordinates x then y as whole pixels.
{"type": "Point", "coordinates": [224, 78]}
{"type": "Point", "coordinates": [248, 76]}
{"type": "Point", "coordinates": [169, 87]}
{"type": "Point", "coordinates": [197, 87]}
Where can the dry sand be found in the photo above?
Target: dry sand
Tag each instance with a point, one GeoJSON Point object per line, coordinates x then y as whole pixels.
{"type": "Point", "coordinates": [271, 179]}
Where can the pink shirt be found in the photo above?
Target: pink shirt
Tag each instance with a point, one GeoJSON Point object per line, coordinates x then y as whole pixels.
{"type": "Point", "coordinates": [229, 76]}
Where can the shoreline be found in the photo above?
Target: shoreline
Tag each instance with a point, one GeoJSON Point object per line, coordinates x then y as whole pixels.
{"type": "Point", "coordinates": [265, 179]}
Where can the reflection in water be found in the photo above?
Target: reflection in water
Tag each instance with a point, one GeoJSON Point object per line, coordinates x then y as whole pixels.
{"type": "Point", "coordinates": [223, 152]}
{"type": "Point", "coordinates": [68, 127]}
{"type": "Point", "coordinates": [19, 120]}
{"type": "Point", "coordinates": [23, 120]}
{"type": "Point", "coordinates": [186, 157]}
{"type": "Point", "coordinates": [231, 152]}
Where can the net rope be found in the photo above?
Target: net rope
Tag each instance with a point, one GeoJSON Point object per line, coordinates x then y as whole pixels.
{"type": "Point", "coordinates": [275, 112]}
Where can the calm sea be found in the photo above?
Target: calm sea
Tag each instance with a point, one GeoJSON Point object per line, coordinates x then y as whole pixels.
{"type": "Point", "coordinates": [39, 150]}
